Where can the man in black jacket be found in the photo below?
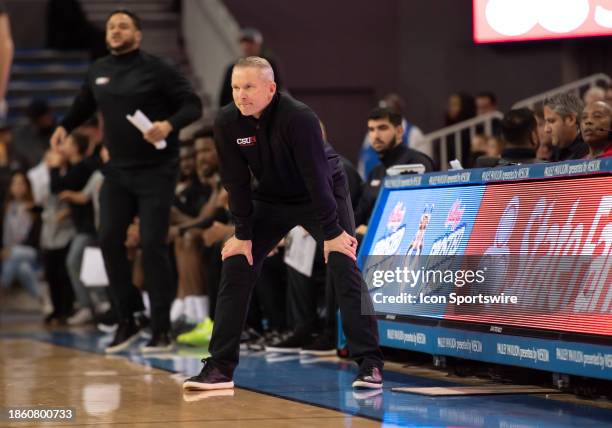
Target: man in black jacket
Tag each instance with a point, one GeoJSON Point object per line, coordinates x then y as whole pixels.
{"type": "Point", "coordinates": [300, 180]}
{"type": "Point", "coordinates": [520, 132]}
{"type": "Point", "coordinates": [562, 114]}
{"type": "Point", "coordinates": [140, 178]}
{"type": "Point", "coordinates": [385, 132]}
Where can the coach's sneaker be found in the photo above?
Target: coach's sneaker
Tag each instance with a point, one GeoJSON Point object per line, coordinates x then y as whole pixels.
{"type": "Point", "coordinates": [209, 378]}
{"type": "Point", "coordinates": [368, 377]}
{"type": "Point", "coordinates": [127, 333]}
{"type": "Point", "coordinates": [160, 342]}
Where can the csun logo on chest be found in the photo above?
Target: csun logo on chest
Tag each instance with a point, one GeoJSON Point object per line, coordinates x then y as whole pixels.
{"type": "Point", "coordinates": [246, 142]}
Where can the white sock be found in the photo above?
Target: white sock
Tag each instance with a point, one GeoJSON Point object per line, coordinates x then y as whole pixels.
{"type": "Point", "coordinates": [201, 307]}
{"type": "Point", "coordinates": [177, 309]}
{"type": "Point", "coordinates": [191, 313]}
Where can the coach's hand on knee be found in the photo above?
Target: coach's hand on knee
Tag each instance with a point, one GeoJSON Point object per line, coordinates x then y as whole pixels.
{"type": "Point", "coordinates": [343, 243]}
{"type": "Point", "coordinates": [235, 247]}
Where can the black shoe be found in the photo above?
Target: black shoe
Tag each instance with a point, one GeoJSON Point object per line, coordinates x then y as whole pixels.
{"type": "Point", "coordinates": [127, 333]}
{"type": "Point", "coordinates": [290, 345]}
{"type": "Point", "coordinates": [107, 322]}
{"type": "Point", "coordinates": [209, 378]}
{"type": "Point", "coordinates": [160, 342]}
{"type": "Point", "coordinates": [144, 324]}
{"type": "Point", "coordinates": [181, 326]}
{"type": "Point", "coordinates": [54, 319]}
{"type": "Point", "coordinates": [249, 336]}
{"type": "Point", "coordinates": [323, 345]}
{"type": "Point", "coordinates": [368, 377]}
{"type": "Point", "coordinates": [259, 344]}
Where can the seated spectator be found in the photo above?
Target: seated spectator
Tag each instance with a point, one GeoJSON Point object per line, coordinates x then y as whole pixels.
{"type": "Point", "coordinates": [97, 157]}
{"type": "Point", "coordinates": [478, 147]}
{"type": "Point", "coordinates": [31, 139]}
{"type": "Point", "coordinates": [91, 192]}
{"type": "Point", "coordinates": [562, 114]}
{"type": "Point", "coordinates": [21, 234]}
{"type": "Point", "coordinates": [9, 160]}
{"type": "Point", "coordinates": [494, 147]}
{"type": "Point", "coordinates": [486, 102]}
{"type": "Point", "coordinates": [385, 133]}
{"type": "Point", "coordinates": [412, 136]}
{"type": "Point", "coordinates": [544, 151]}
{"type": "Point", "coordinates": [56, 234]}
{"type": "Point", "coordinates": [461, 107]}
{"type": "Point", "coordinates": [187, 167]}
{"type": "Point", "coordinates": [196, 209]}
{"type": "Point", "coordinates": [596, 129]}
{"type": "Point", "coordinates": [519, 130]}
{"type": "Point", "coordinates": [74, 177]}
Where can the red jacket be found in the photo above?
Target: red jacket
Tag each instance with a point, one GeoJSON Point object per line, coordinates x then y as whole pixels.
{"type": "Point", "coordinates": [607, 152]}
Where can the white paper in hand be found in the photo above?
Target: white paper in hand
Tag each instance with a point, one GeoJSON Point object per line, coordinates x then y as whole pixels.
{"type": "Point", "coordinates": [142, 122]}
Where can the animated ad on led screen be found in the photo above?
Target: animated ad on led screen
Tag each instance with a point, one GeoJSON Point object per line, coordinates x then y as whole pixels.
{"type": "Point", "coordinates": [420, 231]}
{"type": "Point", "coordinates": [534, 256]}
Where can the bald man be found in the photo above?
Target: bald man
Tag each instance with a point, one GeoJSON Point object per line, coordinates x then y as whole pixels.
{"type": "Point", "coordinates": [596, 129]}
{"type": "Point", "coordinates": [300, 181]}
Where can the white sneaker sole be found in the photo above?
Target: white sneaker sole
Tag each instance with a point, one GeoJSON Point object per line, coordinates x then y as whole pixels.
{"type": "Point", "coordinates": [362, 384]}
{"type": "Point", "coordinates": [367, 393]}
{"type": "Point", "coordinates": [283, 350]}
{"type": "Point", "coordinates": [155, 349]}
{"type": "Point", "coordinates": [322, 353]}
{"type": "Point", "coordinates": [191, 396]}
{"type": "Point", "coordinates": [122, 346]}
{"type": "Point", "coordinates": [197, 386]}
{"type": "Point", "coordinates": [108, 329]}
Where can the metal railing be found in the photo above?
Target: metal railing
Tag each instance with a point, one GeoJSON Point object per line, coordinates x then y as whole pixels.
{"type": "Point", "coordinates": [211, 41]}
{"type": "Point", "coordinates": [577, 87]}
{"type": "Point", "coordinates": [441, 139]}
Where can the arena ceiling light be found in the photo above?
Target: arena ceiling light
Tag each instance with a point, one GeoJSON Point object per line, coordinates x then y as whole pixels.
{"type": "Point", "coordinates": [520, 20]}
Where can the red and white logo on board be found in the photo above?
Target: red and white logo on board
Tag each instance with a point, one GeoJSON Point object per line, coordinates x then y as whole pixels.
{"type": "Point", "coordinates": [246, 142]}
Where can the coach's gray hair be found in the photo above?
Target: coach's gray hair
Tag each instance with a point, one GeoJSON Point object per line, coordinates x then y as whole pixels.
{"type": "Point", "coordinates": [565, 105]}
{"type": "Point", "coordinates": [256, 62]}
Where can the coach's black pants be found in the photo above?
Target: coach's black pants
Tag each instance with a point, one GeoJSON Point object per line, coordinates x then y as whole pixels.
{"type": "Point", "coordinates": [271, 223]}
{"type": "Point", "coordinates": [147, 193]}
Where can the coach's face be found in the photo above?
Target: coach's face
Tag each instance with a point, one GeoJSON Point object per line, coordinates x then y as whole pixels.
{"type": "Point", "coordinates": [122, 36]}
{"type": "Point", "coordinates": [252, 90]}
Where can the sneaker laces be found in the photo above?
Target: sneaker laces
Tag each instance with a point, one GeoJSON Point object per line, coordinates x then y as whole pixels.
{"type": "Point", "coordinates": [207, 366]}
{"type": "Point", "coordinates": [368, 371]}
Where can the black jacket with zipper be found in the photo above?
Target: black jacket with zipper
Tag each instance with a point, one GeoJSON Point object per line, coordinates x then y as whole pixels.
{"type": "Point", "coordinates": [290, 162]}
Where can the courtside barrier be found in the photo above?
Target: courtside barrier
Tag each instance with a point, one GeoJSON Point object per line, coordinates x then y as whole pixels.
{"type": "Point", "coordinates": [509, 265]}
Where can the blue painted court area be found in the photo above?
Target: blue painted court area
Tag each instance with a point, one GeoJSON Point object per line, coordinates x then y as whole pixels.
{"type": "Point", "coordinates": [327, 384]}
